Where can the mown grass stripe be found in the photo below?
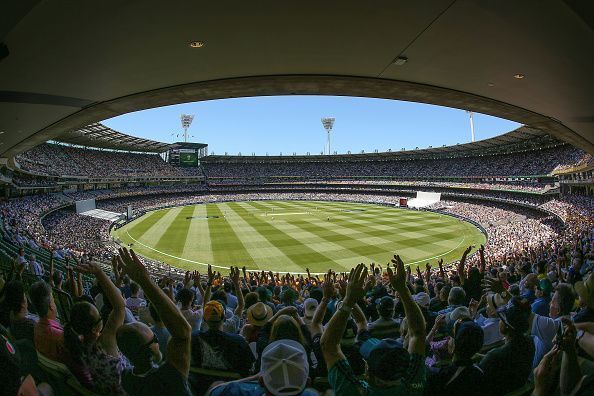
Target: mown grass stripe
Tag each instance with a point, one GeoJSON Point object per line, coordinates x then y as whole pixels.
{"type": "Point", "coordinates": [264, 253]}
{"type": "Point", "coordinates": [198, 245]}
{"type": "Point", "coordinates": [174, 237]}
{"type": "Point", "coordinates": [154, 232]}
{"type": "Point", "coordinates": [299, 253]}
{"type": "Point", "coordinates": [228, 249]}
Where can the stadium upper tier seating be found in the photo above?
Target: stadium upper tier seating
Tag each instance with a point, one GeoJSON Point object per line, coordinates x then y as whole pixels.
{"type": "Point", "coordinates": [60, 160]}
{"type": "Point", "coordinates": [536, 162]}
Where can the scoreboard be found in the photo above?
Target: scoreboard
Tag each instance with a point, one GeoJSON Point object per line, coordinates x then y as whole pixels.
{"type": "Point", "coordinates": [187, 154]}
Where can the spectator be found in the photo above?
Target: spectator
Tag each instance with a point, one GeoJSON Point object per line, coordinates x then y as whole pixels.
{"type": "Point", "coordinates": [392, 369]}
{"type": "Point", "coordinates": [507, 367]}
{"type": "Point", "coordinates": [386, 326]}
{"type": "Point", "coordinates": [284, 371]}
{"type": "Point", "coordinates": [140, 344]}
{"type": "Point", "coordinates": [134, 302]}
{"type": "Point", "coordinates": [462, 377]}
{"type": "Point", "coordinates": [92, 342]}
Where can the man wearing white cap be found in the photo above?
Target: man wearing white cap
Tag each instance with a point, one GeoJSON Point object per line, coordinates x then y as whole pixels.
{"type": "Point", "coordinates": [284, 371]}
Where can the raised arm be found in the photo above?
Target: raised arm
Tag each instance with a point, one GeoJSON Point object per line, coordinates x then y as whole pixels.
{"type": "Point", "coordinates": [483, 261]}
{"type": "Point", "coordinates": [114, 296]}
{"type": "Point", "coordinates": [462, 265]}
{"type": "Point", "coordinates": [178, 348]}
{"type": "Point", "coordinates": [240, 300]}
{"type": "Point", "coordinates": [571, 373]}
{"type": "Point", "coordinates": [51, 269]}
{"type": "Point", "coordinates": [328, 289]}
{"type": "Point", "coordinates": [359, 318]}
{"type": "Point", "coordinates": [414, 316]}
{"type": "Point", "coordinates": [330, 340]}
{"type": "Point", "coordinates": [207, 292]}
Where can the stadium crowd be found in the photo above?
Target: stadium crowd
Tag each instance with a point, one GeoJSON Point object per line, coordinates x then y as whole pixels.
{"type": "Point", "coordinates": [485, 326]}
{"type": "Point", "coordinates": [541, 162]}
{"type": "Point", "coordinates": [61, 160]}
{"type": "Point", "coordinates": [518, 315]}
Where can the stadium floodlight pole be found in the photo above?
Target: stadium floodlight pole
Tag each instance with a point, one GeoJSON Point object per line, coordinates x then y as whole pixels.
{"type": "Point", "coordinates": [186, 121]}
{"type": "Point", "coordinates": [471, 114]}
{"type": "Point", "coordinates": [328, 123]}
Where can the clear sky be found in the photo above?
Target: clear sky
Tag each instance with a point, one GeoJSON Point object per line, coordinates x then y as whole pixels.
{"type": "Point", "coordinates": [288, 124]}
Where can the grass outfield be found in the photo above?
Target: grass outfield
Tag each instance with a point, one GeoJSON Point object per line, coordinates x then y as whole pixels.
{"type": "Point", "coordinates": [288, 236]}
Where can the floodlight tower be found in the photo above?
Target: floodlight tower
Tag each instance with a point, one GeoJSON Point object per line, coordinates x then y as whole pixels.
{"type": "Point", "coordinates": [328, 123]}
{"type": "Point", "coordinates": [471, 114]}
{"type": "Point", "coordinates": [186, 121]}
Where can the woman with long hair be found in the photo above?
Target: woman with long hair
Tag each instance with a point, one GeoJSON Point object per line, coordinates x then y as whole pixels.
{"type": "Point", "coordinates": [92, 342]}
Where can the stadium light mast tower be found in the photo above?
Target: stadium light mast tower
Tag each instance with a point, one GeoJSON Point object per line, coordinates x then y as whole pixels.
{"type": "Point", "coordinates": [186, 121]}
{"type": "Point", "coordinates": [328, 123]}
{"type": "Point", "coordinates": [471, 114]}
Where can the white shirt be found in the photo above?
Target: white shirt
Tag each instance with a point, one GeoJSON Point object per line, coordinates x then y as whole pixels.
{"type": "Point", "coordinates": [545, 328]}
{"type": "Point", "coordinates": [490, 328]}
{"type": "Point", "coordinates": [194, 318]}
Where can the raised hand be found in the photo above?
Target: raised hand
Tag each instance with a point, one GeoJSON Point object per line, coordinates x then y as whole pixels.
{"type": "Point", "coordinates": [398, 279]}
{"type": "Point", "coordinates": [196, 277]}
{"type": "Point", "coordinates": [186, 277]}
{"type": "Point", "coordinates": [211, 274]}
{"type": "Point", "coordinates": [342, 284]}
{"type": "Point", "coordinates": [492, 285]}
{"type": "Point", "coordinates": [131, 265]}
{"type": "Point", "coordinates": [354, 289]}
{"type": "Point", "coordinates": [328, 287]}
{"type": "Point", "coordinates": [88, 267]}
{"type": "Point", "coordinates": [234, 275]}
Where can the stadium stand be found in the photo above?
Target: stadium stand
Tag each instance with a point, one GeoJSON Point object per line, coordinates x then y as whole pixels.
{"type": "Point", "coordinates": [486, 324]}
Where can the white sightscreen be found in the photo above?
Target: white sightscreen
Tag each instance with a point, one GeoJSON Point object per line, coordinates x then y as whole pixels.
{"type": "Point", "coordinates": [86, 205]}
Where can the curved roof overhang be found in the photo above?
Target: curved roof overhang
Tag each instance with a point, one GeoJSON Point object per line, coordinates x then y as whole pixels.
{"type": "Point", "coordinates": [70, 64]}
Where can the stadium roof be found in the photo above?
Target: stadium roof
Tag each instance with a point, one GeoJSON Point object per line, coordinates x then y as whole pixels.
{"type": "Point", "coordinates": [65, 64]}
{"type": "Point", "coordinates": [519, 139]}
{"type": "Point", "coordinates": [101, 136]}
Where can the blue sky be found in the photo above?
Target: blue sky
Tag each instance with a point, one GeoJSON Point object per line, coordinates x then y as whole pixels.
{"type": "Point", "coordinates": [290, 124]}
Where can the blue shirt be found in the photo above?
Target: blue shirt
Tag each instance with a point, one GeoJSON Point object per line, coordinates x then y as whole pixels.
{"type": "Point", "coordinates": [540, 306]}
{"type": "Point", "coordinates": [530, 296]}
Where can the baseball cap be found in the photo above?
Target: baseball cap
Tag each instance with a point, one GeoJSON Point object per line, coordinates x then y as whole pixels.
{"type": "Point", "coordinates": [214, 311]}
{"type": "Point", "coordinates": [310, 305]}
{"type": "Point", "coordinates": [259, 314]}
{"type": "Point", "coordinates": [422, 299]}
{"type": "Point", "coordinates": [386, 359]}
{"type": "Point", "coordinates": [386, 303]}
{"type": "Point", "coordinates": [516, 314]}
{"type": "Point", "coordinates": [545, 286]}
{"type": "Point", "coordinates": [284, 369]}
{"type": "Point", "coordinates": [468, 338]}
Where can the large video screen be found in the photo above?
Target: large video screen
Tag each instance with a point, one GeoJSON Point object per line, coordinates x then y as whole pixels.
{"type": "Point", "coordinates": [188, 159]}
